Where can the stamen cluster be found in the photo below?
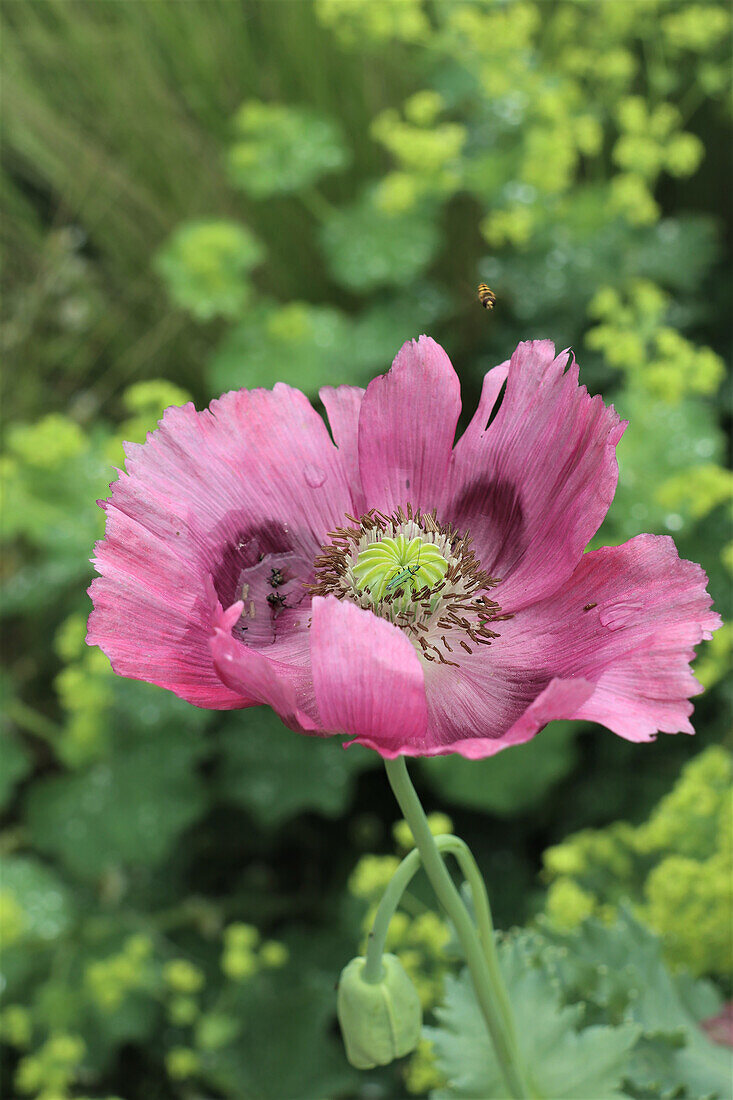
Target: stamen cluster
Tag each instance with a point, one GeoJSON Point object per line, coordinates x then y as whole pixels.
{"type": "Point", "coordinates": [442, 618]}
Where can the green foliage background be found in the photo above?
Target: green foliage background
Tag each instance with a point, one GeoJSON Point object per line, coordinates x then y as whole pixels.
{"type": "Point", "coordinates": [206, 195]}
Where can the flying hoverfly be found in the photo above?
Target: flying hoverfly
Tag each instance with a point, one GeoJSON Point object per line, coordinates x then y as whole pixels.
{"type": "Point", "coordinates": [486, 296]}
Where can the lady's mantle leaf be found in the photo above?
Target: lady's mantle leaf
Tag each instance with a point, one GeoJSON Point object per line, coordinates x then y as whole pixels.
{"type": "Point", "coordinates": [275, 773]}
{"type": "Point", "coordinates": [619, 970]}
{"type": "Point", "coordinates": [128, 810]}
{"type": "Point", "coordinates": [510, 782]}
{"type": "Point", "coordinates": [566, 1064]}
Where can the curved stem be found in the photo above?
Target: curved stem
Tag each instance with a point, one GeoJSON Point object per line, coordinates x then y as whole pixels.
{"type": "Point", "coordinates": [451, 845]}
{"type": "Point", "coordinates": [484, 922]}
{"type": "Point", "coordinates": [399, 882]}
{"type": "Point", "coordinates": [490, 995]}
{"type": "Point", "coordinates": [390, 900]}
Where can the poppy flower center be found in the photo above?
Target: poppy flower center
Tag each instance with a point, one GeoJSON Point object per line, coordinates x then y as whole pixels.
{"type": "Point", "coordinates": [419, 574]}
{"type": "Point", "coordinates": [395, 568]}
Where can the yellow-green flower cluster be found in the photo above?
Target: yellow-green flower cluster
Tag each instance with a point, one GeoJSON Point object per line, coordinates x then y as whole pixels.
{"type": "Point", "coordinates": [371, 876]}
{"type": "Point", "coordinates": [16, 1026]}
{"type": "Point", "coordinates": [239, 960]}
{"type": "Point", "coordinates": [45, 445]}
{"type": "Point", "coordinates": [689, 904]}
{"type": "Point", "coordinates": [109, 980]}
{"type": "Point", "coordinates": [419, 942]}
{"type": "Point", "coordinates": [697, 490]}
{"type": "Point", "coordinates": [13, 921]}
{"type": "Point", "coordinates": [50, 1071]}
{"type": "Point", "coordinates": [421, 1074]}
{"type": "Point", "coordinates": [438, 823]}
{"type": "Point", "coordinates": [631, 197]}
{"type": "Point", "coordinates": [206, 266]}
{"type": "Point", "coordinates": [494, 40]}
{"type": "Point", "coordinates": [563, 109]}
{"type": "Point", "coordinates": [183, 980]}
{"type": "Point", "coordinates": [183, 976]}
{"type": "Point", "coordinates": [633, 338]}
{"type": "Point", "coordinates": [696, 27]}
{"type": "Point", "coordinates": [568, 904]}
{"type": "Point", "coordinates": [677, 868]}
{"type": "Point", "coordinates": [290, 324]}
{"type": "Point", "coordinates": [427, 152]}
{"type": "Point", "coordinates": [182, 1063]}
{"type": "Point", "coordinates": [514, 225]}
{"type": "Point", "coordinates": [279, 149]}
{"type": "Point", "coordinates": [689, 893]}
{"type": "Point", "coordinates": [244, 955]}
{"type": "Point", "coordinates": [418, 146]}
{"type": "Point", "coordinates": [373, 21]}
{"type": "Point", "coordinates": [651, 140]}
{"type": "Point", "coordinates": [689, 819]}
{"type": "Point", "coordinates": [35, 497]}
{"type": "Point", "coordinates": [85, 688]}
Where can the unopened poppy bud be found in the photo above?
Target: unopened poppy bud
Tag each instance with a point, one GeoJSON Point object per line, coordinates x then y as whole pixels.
{"type": "Point", "coordinates": [380, 1021]}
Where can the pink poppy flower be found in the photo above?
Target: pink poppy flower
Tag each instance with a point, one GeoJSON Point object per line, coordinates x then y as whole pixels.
{"type": "Point", "coordinates": [422, 595]}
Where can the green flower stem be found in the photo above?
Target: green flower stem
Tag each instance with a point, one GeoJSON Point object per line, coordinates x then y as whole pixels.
{"type": "Point", "coordinates": [491, 996]}
{"type": "Point", "coordinates": [399, 882]}
{"type": "Point", "coordinates": [485, 925]}
{"type": "Point", "coordinates": [316, 204]}
{"type": "Point", "coordinates": [390, 900]}
{"type": "Point", "coordinates": [393, 895]}
{"type": "Point", "coordinates": [32, 720]}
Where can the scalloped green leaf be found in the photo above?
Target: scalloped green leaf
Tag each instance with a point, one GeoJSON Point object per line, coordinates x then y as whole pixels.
{"type": "Point", "coordinates": [287, 1049]}
{"type": "Point", "coordinates": [366, 247]}
{"type": "Point", "coordinates": [296, 343]}
{"type": "Point", "coordinates": [205, 266]}
{"type": "Point", "coordinates": [513, 780]}
{"type": "Point", "coordinates": [280, 149]}
{"type": "Point", "coordinates": [275, 773]}
{"type": "Point", "coordinates": [619, 969]}
{"type": "Point", "coordinates": [664, 438]}
{"type": "Point", "coordinates": [564, 1063]}
{"type": "Point", "coordinates": [127, 810]}
{"type": "Point", "coordinates": [41, 907]}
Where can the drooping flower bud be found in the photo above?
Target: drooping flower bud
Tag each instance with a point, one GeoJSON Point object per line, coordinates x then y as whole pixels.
{"type": "Point", "coordinates": [380, 1021]}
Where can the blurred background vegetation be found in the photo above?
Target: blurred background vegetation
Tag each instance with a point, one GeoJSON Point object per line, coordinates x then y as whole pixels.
{"type": "Point", "coordinates": [206, 195]}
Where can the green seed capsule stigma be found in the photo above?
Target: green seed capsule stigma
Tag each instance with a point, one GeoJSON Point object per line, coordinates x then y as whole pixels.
{"type": "Point", "coordinates": [399, 563]}
{"type": "Point", "coordinates": [380, 1021]}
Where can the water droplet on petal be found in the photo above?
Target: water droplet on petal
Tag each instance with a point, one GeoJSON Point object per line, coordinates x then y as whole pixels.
{"type": "Point", "coordinates": [314, 475]}
{"type": "Point", "coordinates": [615, 615]}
